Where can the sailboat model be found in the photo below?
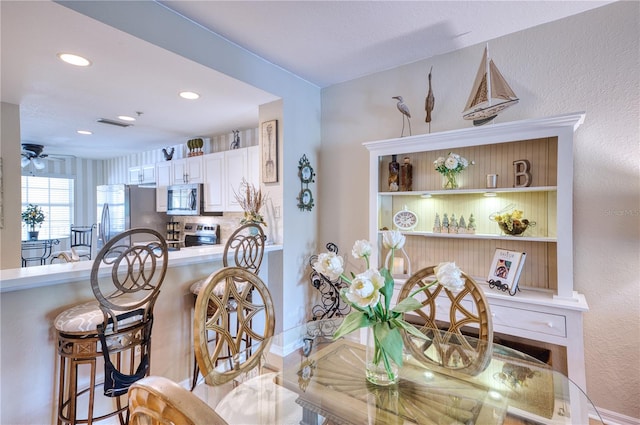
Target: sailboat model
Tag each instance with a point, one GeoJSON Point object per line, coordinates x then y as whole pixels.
{"type": "Point", "coordinates": [490, 93]}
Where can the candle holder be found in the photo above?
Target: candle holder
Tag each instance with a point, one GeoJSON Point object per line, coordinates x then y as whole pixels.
{"type": "Point", "coordinates": [400, 265]}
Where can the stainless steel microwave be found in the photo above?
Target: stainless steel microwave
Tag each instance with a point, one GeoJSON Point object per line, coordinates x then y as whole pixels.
{"type": "Point", "coordinates": [185, 199]}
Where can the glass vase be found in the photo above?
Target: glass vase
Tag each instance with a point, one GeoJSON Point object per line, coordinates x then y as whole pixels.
{"type": "Point", "coordinates": [449, 180]}
{"type": "Point", "coordinates": [376, 368]}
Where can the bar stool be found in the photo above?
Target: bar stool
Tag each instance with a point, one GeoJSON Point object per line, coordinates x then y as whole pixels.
{"type": "Point", "coordinates": [115, 326]}
{"type": "Point", "coordinates": [247, 244]}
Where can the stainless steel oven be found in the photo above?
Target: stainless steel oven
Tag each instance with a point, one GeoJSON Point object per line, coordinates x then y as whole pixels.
{"type": "Point", "coordinates": [198, 234]}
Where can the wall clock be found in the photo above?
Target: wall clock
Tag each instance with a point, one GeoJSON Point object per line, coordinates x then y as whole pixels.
{"type": "Point", "coordinates": [405, 220]}
{"type": "Point", "coordinates": [306, 175]}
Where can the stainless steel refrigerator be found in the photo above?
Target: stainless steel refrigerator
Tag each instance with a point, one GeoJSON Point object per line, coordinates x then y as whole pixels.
{"type": "Point", "coordinates": [122, 207]}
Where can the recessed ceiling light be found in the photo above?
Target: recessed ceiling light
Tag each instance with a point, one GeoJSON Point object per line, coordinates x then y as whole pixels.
{"type": "Point", "coordinates": [85, 132]}
{"type": "Point", "coordinates": [189, 95]}
{"type": "Point", "coordinates": [126, 118]}
{"type": "Point", "coordinates": [74, 59]}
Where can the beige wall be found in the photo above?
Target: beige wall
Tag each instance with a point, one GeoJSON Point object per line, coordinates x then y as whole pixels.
{"type": "Point", "coordinates": [10, 211]}
{"type": "Point", "coordinates": [588, 62]}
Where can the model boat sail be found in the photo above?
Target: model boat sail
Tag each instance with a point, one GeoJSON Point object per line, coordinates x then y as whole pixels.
{"type": "Point", "coordinates": [490, 94]}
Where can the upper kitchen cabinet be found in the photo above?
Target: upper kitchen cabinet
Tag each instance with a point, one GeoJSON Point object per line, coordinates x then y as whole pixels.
{"type": "Point", "coordinates": [215, 181]}
{"type": "Point", "coordinates": [240, 164]}
{"type": "Point", "coordinates": [187, 170]}
{"type": "Point", "coordinates": [163, 180]}
{"type": "Point", "coordinates": [223, 173]}
{"type": "Point", "coordinates": [142, 174]}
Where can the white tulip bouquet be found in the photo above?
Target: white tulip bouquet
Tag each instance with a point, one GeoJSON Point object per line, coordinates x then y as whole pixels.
{"type": "Point", "coordinates": [370, 292]}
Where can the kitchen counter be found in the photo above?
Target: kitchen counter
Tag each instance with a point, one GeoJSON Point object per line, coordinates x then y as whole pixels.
{"type": "Point", "coordinates": [54, 274]}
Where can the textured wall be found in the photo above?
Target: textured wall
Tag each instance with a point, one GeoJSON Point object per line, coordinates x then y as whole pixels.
{"type": "Point", "coordinates": [588, 62]}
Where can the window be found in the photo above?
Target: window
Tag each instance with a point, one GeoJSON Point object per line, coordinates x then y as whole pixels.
{"type": "Point", "coordinates": [55, 197]}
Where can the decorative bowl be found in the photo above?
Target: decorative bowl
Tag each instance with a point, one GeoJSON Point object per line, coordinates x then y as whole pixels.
{"type": "Point", "coordinates": [519, 226]}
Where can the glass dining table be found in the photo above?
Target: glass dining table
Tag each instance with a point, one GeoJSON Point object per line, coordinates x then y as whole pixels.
{"type": "Point", "coordinates": [307, 377]}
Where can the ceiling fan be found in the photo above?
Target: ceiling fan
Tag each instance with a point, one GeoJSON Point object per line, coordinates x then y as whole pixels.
{"type": "Point", "coordinates": [32, 153]}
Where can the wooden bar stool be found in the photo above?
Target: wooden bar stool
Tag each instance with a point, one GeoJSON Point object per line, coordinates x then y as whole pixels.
{"type": "Point", "coordinates": [115, 326]}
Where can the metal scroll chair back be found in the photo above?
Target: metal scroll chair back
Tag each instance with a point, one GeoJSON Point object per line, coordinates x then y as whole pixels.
{"type": "Point", "coordinates": [126, 277]}
{"type": "Point", "coordinates": [247, 244]}
{"type": "Point", "coordinates": [255, 322]}
{"type": "Point", "coordinates": [126, 296]}
{"type": "Point", "coordinates": [443, 310]}
{"type": "Point", "coordinates": [156, 400]}
{"type": "Point", "coordinates": [82, 240]}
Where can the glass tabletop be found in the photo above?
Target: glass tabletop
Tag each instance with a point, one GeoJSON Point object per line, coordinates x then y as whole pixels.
{"type": "Point", "coordinates": [306, 376]}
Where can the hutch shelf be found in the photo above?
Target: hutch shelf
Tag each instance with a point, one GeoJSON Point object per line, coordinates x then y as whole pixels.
{"type": "Point", "coordinates": [547, 309]}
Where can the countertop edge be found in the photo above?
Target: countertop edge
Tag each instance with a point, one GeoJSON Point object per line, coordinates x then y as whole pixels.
{"type": "Point", "coordinates": [24, 278]}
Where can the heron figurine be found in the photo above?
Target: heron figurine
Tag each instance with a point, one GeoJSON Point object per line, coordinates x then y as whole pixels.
{"type": "Point", "coordinates": [429, 102]}
{"type": "Point", "coordinates": [404, 110]}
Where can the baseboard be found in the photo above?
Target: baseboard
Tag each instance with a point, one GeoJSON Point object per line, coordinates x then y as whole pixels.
{"type": "Point", "coordinates": [614, 418]}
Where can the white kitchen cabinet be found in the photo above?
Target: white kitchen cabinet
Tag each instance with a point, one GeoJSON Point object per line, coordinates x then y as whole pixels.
{"type": "Point", "coordinates": [142, 174]}
{"type": "Point", "coordinates": [253, 165]}
{"type": "Point", "coordinates": [187, 170]}
{"type": "Point", "coordinates": [547, 308]}
{"type": "Point", "coordinates": [223, 173]}
{"type": "Point", "coordinates": [236, 166]}
{"type": "Point", "coordinates": [163, 180]}
{"type": "Point", "coordinates": [214, 182]}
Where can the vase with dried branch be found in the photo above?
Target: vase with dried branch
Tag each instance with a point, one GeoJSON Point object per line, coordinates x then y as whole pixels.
{"type": "Point", "coordinates": [251, 200]}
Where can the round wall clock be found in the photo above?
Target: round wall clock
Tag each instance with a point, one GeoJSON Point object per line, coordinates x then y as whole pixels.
{"type": "Point", "coordinates": [306, 198]}
{"type": "Point", "coordinates": [405, 220]}
{"type": "Point", "coordinates": [306, 174]}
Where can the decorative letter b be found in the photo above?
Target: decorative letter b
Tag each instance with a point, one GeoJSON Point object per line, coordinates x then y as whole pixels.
{"type": "Point", "coordinates": [521, 174]}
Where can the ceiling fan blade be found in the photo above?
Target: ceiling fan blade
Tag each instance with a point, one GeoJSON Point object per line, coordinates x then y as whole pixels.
{"type": "Point", "coordinates": [38, 163]}
{"type": "Point", "coordinates": [24, 161]}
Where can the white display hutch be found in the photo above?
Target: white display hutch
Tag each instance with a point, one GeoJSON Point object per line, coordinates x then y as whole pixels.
{"type": "Point", "coordinates": [547, 309]}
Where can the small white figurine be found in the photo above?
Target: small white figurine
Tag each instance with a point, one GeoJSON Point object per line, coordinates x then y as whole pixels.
{"type": "Point", "coordinates": [437, 226]}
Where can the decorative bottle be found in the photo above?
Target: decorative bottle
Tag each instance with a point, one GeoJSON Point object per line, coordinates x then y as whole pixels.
{"type": "Point", "coordinates": [394, 169]}
{"type": "Point", "coordinates": [406, 175]}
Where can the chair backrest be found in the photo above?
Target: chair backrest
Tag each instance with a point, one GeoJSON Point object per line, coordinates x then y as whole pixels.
{"type": "Point", "coordinates": [156, 400]}
{"type": "Point", "coordinates": [82, 237]}
{"type": "Point", "coordinates": [246, 294]}
{"type": "Point", "coordinates": [126, 292]}
{"type": "Point", "coordinates": [444, 310]}
{"type": "Point", "coordinates": [247, 244]}
{"type": "Point", "coordinates": [138, 260]}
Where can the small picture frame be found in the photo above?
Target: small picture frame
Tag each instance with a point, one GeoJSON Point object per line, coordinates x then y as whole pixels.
{"type": "Point", "coordinates": [269, 144]}
{"type": "Point", "coordinates": [505, 270]}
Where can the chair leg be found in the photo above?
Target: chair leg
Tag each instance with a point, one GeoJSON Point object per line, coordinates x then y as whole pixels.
{"type": "Point", "coordinates": [196, 372]}
{"type": "Point", "coordinates": [92, 392]}
{"type": "Point", "coordinates": [68, 400]}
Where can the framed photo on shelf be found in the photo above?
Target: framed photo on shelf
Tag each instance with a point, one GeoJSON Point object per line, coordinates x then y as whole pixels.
{"type": "Point", "coordinates": [505, 270]}
{"type": "Point", "coordinates": [269, 144]}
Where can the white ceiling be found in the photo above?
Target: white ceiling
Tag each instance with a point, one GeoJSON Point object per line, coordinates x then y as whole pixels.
{"type": "Point", "coordinates": [323, 42]}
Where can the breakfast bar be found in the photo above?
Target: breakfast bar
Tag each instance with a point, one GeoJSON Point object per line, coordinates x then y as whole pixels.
{"type": "Point", "coordinates": [32, 297]}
